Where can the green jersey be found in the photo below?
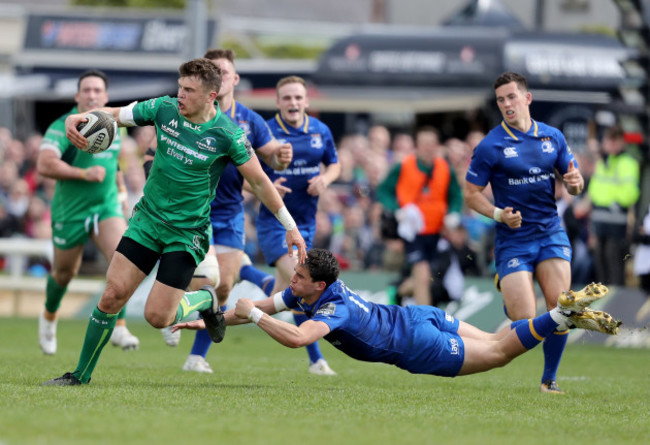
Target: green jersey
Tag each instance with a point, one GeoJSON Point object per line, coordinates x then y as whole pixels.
{"type": "Point", "coordinates": [75, 199]}
{"type": "Point", "coordinates": [188, 163]}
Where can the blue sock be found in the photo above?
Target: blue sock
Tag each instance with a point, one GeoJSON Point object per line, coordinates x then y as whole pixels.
{"type": "Point", "coordinates": [535, 330]}
{"type": "Point", "coordinates": [313, 350]}
{"type": "Point", "coordinates": [553, 349]}
{"type": "Point", "coordinates": [202, 341]}
{"type": "Point", "coordinates": [260, 279]}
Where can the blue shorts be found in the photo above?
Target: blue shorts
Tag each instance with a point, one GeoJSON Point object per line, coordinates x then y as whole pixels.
{"type": "Point", "coordinates": [435, 346]}
{"type": "Point", "coordinates": [272, 239]}
{"type": "Point", "coordinates": [229, 231]}
{"type": "Point", "coordinates": [514, 256]}
{"type": "Point", "coordinates": [422, 248]}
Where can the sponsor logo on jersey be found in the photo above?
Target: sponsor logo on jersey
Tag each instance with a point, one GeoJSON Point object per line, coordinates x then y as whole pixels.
{"type": "Point", "coordinates": [513, 263]}
{"type": "Point", "coordinates": [326, 310]}
{"type": "Point", "coordinates": [169, 130]}
{"type": "Point", "coordinates": [510, 152]}
{"type": "Point", "coordinates": [547, 146]}
{"type": "Point", "coordinates": [449, 317]}
{"type": "Point", "coordinates": [534, 170]}
{"type": "Point", "coordinates": [316, 141]}
{"type": "Point", "coordinates": [453, 344]}
{"type": "Point", "coordinates": [567, 252]}
{"type": "Point", "coordinates": [209, 144]}
{"type": "Point", "coordinates": [173, 123]}
{"type": "Point", "coordinates": [191, 126]}
{"type": "Point", "coordinates": [244, 125]}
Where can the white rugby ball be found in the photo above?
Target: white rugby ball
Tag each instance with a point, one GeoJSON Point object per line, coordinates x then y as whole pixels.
{"type": "Point", "coordinates": [100, 130]}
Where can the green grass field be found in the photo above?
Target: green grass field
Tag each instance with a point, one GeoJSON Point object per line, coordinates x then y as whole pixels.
{"type": "Point", "coordinates": [261, 393]}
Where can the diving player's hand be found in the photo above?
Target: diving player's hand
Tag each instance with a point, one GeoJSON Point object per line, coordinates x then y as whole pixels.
{"type": "Point", "coordinates": [511, 218]}
{"type": "Point", "coordinates": [193, 325]}
{"type": "Point", "coordinates": [243, 308]}
{"type": "Point", "coordinates": [282, 190]}
{"type": "Point", "coordinates": [96, 173]}
{"type": "Point", "coordinates": [71, 132]}
{"type": "Point", "coordinates": [316, 185]}
{"type": "Point", "coordinates": [284, 156]}
{"type": "Point", "coordinates": [294, 238]}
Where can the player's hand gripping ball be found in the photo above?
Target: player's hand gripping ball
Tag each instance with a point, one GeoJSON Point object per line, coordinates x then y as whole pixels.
{"type": "Point", "coordinates": [100, 130]}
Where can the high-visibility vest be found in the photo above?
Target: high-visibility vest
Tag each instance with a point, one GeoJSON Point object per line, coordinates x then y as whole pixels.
{"type": "Point", "coordinates": [428, 192]}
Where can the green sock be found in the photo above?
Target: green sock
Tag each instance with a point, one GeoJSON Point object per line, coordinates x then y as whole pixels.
{"type": "Point", "coordinates": [53, 294]}
{"type": "Point", "coordinates": [122, 314]}
{"type": "Point", "coordinates": [100, 328]}
{"type": "Point", "coordinates": [193, 302]}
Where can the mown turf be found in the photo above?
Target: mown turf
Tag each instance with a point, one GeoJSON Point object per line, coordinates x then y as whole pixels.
{"type": "Point", "coordinates": [261, 393]}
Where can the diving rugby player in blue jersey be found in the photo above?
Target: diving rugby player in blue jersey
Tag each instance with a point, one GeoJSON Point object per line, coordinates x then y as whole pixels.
{"type": "Point", "coordinates": [519, 159]}
{"type": "Point", "coordinates": [419, 339]}
{"type": "Point", "coordinates": [313, 145]}
{"type": "Point", "coordinates": [227, 210]}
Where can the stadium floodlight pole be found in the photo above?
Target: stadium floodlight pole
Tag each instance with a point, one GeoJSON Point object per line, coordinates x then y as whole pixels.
{"type": "Point", "coordinates": [196, 25]}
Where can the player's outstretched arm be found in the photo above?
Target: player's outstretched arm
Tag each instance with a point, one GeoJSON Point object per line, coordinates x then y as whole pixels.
{"type": "Point", "coordinates": [263, 188]}
{"type": "Point", "coordinates": [284, 333]}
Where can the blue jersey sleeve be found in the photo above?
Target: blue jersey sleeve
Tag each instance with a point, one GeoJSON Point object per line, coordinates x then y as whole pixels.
{"type": "Point", "coordinates": [333, 313]}
{"type": "Point", "coordinates": [260, 131]}
{"type": "Point", "coordinates": [289, 299]}
{"type": "Point", "coordinates": [480, 167]}
{"type": "Point", "coordinates": [565, 156]}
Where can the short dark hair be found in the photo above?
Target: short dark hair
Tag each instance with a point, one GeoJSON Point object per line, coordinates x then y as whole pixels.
{"type": "Point", "coordinates": [508, 77]}
{"type": "Point", "coordinates": [92, 73]}
{"type": "Point", "coordinates": [209, 73]}
{"type": "Point", "coordinates": [614, 132]}
{"type": "Point", "coordinates": [220, 53]}
{"type": "Point", "coordinates": [322, 266]}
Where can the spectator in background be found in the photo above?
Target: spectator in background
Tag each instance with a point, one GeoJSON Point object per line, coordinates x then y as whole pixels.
{"type": "Point", "coordinates": [403, 145]}
{"type": "Point", "coordinates": [613, 190]}
{"type": "Point", "coordinates": [421, 190]}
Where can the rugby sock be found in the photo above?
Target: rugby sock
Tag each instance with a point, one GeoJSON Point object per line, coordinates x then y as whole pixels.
{"type": "Point", "coordinates": [202, 341]}
{"type": "Point", "coordinates": [100, 328]}
{"type": "Point", "coordinates": [259, 278]}
{"type": "Point", "coordinates": [533, 331]}
{"type": "Point", "coordinates": [199, 300]}
{"type": "Point", "coordinates": [553, 349]}
{"type": "Point", "coordinates": [53, 295]}
{"type": "Point", "coordinates": [313, 350]}
{"type": "Point", "coordinates": [122, 314]}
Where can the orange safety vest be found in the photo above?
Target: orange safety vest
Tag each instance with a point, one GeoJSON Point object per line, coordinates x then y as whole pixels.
{"type": "Point", "coordinates": [429, 193]}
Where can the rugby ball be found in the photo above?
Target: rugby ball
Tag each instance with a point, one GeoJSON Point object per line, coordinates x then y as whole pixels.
{"type": "Point", "coordinates": [100, 130]}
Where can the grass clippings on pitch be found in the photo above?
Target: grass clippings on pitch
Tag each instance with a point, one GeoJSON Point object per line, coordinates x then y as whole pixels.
{"type": "Point", "coordinates": [261, 393]}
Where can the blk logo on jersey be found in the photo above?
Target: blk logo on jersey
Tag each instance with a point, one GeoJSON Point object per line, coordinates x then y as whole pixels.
{"type": "Point", "coordinates": [316, 141]}
{"type": "Point", "coordinates": [547, 146]}
{"type": "Point", "coordinates": [510, 152]}
{"type": "Point", "coordinates": [513, 263]}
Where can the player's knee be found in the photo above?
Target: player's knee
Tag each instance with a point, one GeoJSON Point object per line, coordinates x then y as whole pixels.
{"type": "Point", "coordinates": [113, 298]}
{"type": "Point", "coordinates": [208, 269]}
{"type": "Point", "coordinates": [62, 277]}
{"type": "Point", "coordinates": [156, 318]}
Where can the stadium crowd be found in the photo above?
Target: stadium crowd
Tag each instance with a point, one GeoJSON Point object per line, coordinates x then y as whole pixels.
{"type": "Point", "coordinates": [351, 221]}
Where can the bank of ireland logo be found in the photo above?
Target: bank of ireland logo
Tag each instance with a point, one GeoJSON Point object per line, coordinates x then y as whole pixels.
{"type": "Point", "coordinates": [510, 152]}
{"type": "Point", "coordinates": [513, 263]}
{"type": "Point", "coordinates": [547, 146]}
{"type": "Point", "coordinates": [316, 141]}
{"type": "Point", "coordinates": [534, 170]}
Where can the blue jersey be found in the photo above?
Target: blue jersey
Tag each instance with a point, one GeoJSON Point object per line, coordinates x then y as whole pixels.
{"type": "Point", "coordinates": [312, 145]}
{"type": "Point", "coordinates": [228, 199]}
{"type": "Point", "coordinates": [420, 339]}
{"type": "Point", "coordinates": [521, 170]}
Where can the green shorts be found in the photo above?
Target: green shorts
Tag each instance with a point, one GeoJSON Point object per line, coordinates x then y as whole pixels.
{"type": "Point", "coordinates": [152, 233]}
{"type": "Point", "coordinates": [69, 234]}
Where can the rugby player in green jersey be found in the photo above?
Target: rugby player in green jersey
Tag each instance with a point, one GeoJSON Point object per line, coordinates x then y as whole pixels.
{"type": "Point", "coordinates": [171, 222]}
{"type": "Point", "coordinates": [87, 203]}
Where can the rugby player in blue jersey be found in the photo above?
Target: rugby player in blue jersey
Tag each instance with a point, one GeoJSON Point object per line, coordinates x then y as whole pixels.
{"type": "Point", "coordinates": [419, 339]}
{"type": "Point", "coordinates": [313, 168]}
{"type": "Point", "coordinates": [227, 210]}
{"type": "Point", "coordinates": [520, 159]}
